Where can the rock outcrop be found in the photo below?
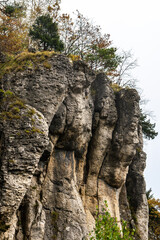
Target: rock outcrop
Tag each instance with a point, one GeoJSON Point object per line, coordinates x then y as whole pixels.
{"type": "Point", "coordinates": [68, 142]}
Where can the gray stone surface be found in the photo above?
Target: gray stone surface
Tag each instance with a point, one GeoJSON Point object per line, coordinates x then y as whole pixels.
{"type": "Point", "coordinates": [75, 145]}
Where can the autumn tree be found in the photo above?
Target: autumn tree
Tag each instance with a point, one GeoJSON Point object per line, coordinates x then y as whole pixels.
{"type": "Point", "coordinates": [123, 75]}
{"type": "Point", "coordinates": [45, 32]}
{"type": "Point", "coordinates": [85, 40]}
{"type": "Point", "coordinates": [68, 33]}
{"type": "Point", "coordinates": [154, 214]}
{"type": "Point", "coordinates": [41, 7]}
{"type": "Point", "coordinates": [13, 31]}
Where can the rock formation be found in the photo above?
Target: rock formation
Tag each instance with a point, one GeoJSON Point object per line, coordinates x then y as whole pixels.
{"type": "Point", "coordinates": [68, 142]}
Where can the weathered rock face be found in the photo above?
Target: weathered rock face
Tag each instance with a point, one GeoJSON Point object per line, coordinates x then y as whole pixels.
{"type": "Point", "coordinates": [72, 144]}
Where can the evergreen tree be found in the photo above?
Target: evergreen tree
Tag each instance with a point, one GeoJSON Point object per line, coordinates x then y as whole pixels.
{"type": "Point", "coordinates": [147, 127]}
{"type": "Point", "coordinates": [149, 194]}
{"type": "Point", "coordinates": [45, 32]}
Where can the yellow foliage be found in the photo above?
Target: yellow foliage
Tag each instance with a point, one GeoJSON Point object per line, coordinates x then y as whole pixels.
{"type": "Point", "coordinates": [13, 34]}
{"type": "Point", "coordinates": [154, 215]}
{"type": "Point", "coordinates": [115, 87]}
{"type": "Point", "coordinates": [74, 57]}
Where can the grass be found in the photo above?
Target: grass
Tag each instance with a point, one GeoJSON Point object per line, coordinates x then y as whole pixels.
{"type": "Point", "coordinates": [31, 112]}
{"type": "Point", "coordinates": [33, 130]}
{"type": "Point", "coordinates": [25, 60]}
{"type": "Point", "coordinates": [47, 65]}
{"type": "Point", "coordinates": [11, 107]}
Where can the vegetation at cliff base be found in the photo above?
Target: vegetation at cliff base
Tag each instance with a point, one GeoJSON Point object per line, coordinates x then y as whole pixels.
{"type": "Point", "coordinates": [154, 214]}
{"type": "Point", "coordinates": [106, 228]}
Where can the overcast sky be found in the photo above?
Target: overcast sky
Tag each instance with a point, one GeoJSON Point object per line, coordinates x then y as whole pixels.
{"type": "Point", "coordinates": [134, 24]}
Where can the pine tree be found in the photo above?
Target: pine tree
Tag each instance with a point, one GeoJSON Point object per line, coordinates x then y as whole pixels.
{"type": "Point", "coordinates": [148, 128]}
{"type": "Point", "coordinates": [45, 32]}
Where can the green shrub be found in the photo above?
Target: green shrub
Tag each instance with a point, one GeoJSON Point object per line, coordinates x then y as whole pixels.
{"type": "Point", "coordinates": [106, 228]}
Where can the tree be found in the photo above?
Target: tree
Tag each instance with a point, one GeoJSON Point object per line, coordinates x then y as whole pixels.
{"type": "Point", "coordinates": [13, 30]}
{"type": "Point", "coordinates": [154, 214]}
{"type": "Point", "coordinates": [41, 7]}
{"type": "Point", "coordinates": [149, 194]}
{"type": "Point", "coordinates": [123, 75]}
{"type": "Point", "coordinates": [148, 128]}
{"type": "Point", "coordinates": [85, 40]}
{"type": "Point", "coordinates": [103, 59]}
{"type": "Point", "coordinates": [68, 33]}
{"type": "Point", "coordinates": [45, 32]}
{"type": "Point", "coordinates": [106, 228]}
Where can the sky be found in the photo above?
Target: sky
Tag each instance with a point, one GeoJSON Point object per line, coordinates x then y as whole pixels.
{"type": "Point", "coordinates": [134, 25]}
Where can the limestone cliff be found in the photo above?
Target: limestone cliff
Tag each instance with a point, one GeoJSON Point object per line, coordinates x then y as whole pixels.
{"type": "Point", "coordinates": [68, 142]}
